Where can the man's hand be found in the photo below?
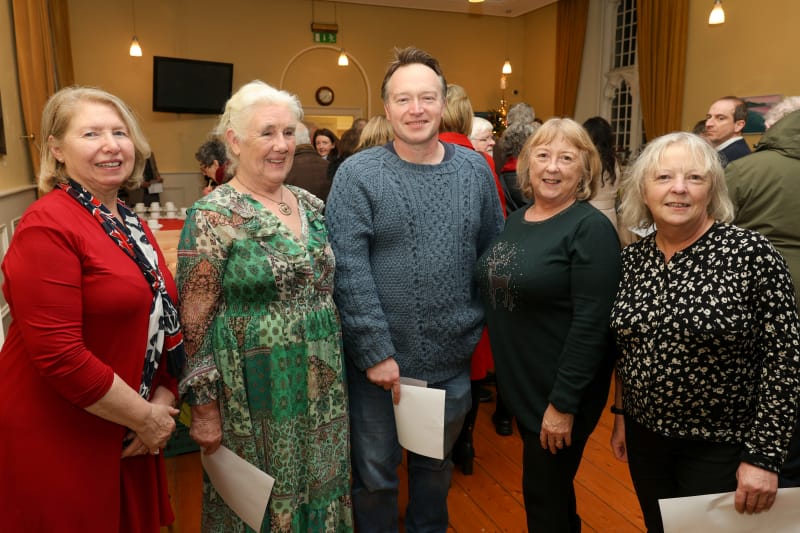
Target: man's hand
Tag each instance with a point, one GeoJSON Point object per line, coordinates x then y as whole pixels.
{"type": "Point", "coordinates": [386, 375]}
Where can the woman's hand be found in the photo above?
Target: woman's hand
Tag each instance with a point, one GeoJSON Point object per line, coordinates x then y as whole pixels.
{"type": "Point", "coordinates": [161, 396]}
{"type": "Point", "coordinates": [556, 429]}
{"type": "Point", "coordinates": [157, 427]}
{"type": "Point", "coordinates": [206, 428]}
{"type": "Point", "coordinates": [618, 439]}
{"type": "Point", "coordinates": [756, 489]}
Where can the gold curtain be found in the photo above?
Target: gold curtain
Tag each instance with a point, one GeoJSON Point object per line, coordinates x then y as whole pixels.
{"type": "Point", "coordinates": [44, 60]}
{"type": "Point", "coordinates": [570, 35]}
{"type": "Point", "coordinates": [662, 35]}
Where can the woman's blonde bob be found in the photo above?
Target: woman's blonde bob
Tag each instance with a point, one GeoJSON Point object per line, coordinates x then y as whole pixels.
{"type": "Point", "coordinates": [633, 210]}
{"type": "Point", "coordinates": [57, 115]}
{"type": "Point", "coordinates": [574, 134]}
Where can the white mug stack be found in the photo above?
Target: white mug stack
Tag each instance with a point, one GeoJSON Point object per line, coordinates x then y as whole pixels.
{"type": "Point", "coordinates": [172, 211]}
{"type": "Point", "coordinates": [155, 211]}
{"type": "Point", "coordinates": [140, 209]}
{"type": "Point", "coordinates": [153, 223]}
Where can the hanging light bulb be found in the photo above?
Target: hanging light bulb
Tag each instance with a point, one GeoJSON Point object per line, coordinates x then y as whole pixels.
{"type": "Point", "coordinates": [717, 15]}
{"type": "Point", "coordinates": [343, 61]}
{"type": "Point", "coordinates": [475, 1]}
{"type": "Point", "coordinates": [136, 50]}
{"type": "Point", "coordinates": [507, 67]}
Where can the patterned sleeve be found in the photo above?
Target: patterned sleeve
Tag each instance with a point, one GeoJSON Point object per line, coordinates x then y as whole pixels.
{"type": "Point", "coordinates": [202, 253]}
{"type": "Point", "coordinates": [779, 344]}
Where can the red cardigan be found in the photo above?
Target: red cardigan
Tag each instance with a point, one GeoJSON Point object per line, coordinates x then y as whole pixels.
{"type": "Point", "coordinates": [80, 310]}
{"type": "Point", "coordinates": [462, 140]}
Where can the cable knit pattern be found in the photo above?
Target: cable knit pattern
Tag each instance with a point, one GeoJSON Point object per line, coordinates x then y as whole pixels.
{"type": "Point", "coordinates": [406, 239]}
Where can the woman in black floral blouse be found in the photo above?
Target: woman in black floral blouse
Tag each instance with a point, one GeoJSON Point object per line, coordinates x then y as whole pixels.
{"type": "Point", "coordinates": [707, 330]}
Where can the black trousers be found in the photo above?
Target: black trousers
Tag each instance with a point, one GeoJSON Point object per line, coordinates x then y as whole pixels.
{"type": "Point", "coordinates": [547, 485]}
{"type": "Point", "coordinates": [667, 467]}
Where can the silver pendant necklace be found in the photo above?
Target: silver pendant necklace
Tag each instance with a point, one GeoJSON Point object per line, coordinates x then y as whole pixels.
{"type": "Point", "coordinates": [283, 207]}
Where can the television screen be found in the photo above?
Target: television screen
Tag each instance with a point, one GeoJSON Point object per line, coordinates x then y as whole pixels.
{"type": "Point", "coordinates": [191, 86]}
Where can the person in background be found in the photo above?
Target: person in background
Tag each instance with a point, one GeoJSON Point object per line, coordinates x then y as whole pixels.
{"type": "Point", "coordinates": [482, 136]}
{"type": "Point", "coordinates": [765, 190]}
{"type": "Point", "coordinates": [377, 132]}
{"type": "Point", "coordinates": [547, 285]}
{"type": "Point", "coordinates": [405, 290]}
{"type": "Point", "coordinates": [706, 327]}
{"type": "Point", "coordinates": [512, 141]}
{"type": "Point", "coordinates": [456, 125]}
{"type": "Point", "coordinates": [519, 113]}
{"type": "Point", "coordinates": [346, 147]}
{"type": "Point", "coordinates": [358, 124]}
{"type": "Point", "coordinates": [700, 128]}
{"type": "Point", "coordinates": [605, 200]}
{"type": "Point", "coordinates": [325, 142]}
{"type": "Point", "coordinates": [309, 171]}
{"type": "Point", "coordinates": [264, 374]}
{"type": "Point", "coordinates": [724, 124]}
{"type": "Point", "coordinates": [94, 347]}
{"type": "Point", "coordinates": [213, 162]}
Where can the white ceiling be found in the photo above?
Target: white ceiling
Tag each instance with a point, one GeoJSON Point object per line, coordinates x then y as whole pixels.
{"type": "Point", "coordinates": [499, 8]}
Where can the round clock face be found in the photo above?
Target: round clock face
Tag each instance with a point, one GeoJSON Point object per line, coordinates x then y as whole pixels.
{"type": "Point", "coordinates": [324, 96]}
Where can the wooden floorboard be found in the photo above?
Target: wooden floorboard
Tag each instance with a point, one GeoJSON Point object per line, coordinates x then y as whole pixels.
{"type": "Point", "coordinates": [490, 500]}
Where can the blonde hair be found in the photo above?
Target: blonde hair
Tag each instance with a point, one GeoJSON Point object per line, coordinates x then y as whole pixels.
{"type": "Point", "coordinates": [457, 116]}
{"type": "Point", "coordinates": [377, 132]}
{"type": "Point", "coordinates": [574, 134]}
{"type": "Point", "coordinates": [633, 210]}
{"type": "Point", "coordinates": [237, 114]}
{"type": "Point", "coordinates": [57, 115]}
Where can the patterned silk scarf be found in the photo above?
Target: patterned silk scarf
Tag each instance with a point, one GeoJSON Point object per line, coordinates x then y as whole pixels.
{"type": "Point", "coordinates": [164, 330]}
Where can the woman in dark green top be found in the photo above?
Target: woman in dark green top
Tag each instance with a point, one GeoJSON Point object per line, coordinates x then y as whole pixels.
{"type": "Point", "coordinates": [548, 283]}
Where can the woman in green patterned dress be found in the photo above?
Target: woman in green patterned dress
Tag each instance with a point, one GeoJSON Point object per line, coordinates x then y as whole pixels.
{"type": "Point", "coordinates": [264, 372]}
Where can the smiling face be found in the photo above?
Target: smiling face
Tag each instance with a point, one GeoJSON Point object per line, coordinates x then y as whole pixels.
{"type": "Point", "coordinates": [323, 145]}
{"type": "Point", "coordinates": [96, 149]}
{"type": "Point", "coordinates": [414, 105]}
{"type": "Point", "coordinates": [678, 193]}
{"type": "Point", "coordinates": [555, 170]}
{"type": "Point", "coordinates": [266, 150]}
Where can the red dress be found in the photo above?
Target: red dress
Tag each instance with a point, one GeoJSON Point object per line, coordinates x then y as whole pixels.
{"type": "Point", "coordinates": [482, 360]}
{"type": "Point", "coordinates": [80, 310]}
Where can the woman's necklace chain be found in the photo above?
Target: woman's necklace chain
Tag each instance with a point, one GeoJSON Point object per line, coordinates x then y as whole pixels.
{"type": "Point", "coordinates": [283, 207]}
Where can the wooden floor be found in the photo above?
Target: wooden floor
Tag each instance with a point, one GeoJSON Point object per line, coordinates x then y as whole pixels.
{"type": "Point", "coordinates": [489, 500]}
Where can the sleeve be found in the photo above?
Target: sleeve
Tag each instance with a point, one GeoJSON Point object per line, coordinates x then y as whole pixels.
{"type": "Point", "coordinates": [778, 343]}
{"type": "Point", "coordinates": [43, 273]}
{"type": "Point", "coordinates": [163, 378]}
{"type": "Point", "coordinates": [202, 255]}
{"type": "Point", "coordinates": [349, 218]}
{"type": "Point", "coordinates": [492, 210]}
{"type": "Point", "coordinates": [594, 271]}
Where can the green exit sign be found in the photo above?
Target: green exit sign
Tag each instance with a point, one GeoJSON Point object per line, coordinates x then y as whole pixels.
{"type": "Point", "coordinates": [324, 37]}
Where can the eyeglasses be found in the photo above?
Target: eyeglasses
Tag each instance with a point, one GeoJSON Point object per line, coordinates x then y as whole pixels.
{"type": "Point", "coordinates": [483, 139]}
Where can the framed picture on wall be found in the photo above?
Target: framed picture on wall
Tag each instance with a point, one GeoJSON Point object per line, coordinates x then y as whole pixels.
{"type": "Point", "coordinates": [2, 131]}
{"type": "Point", "coordinates": [757, 106]}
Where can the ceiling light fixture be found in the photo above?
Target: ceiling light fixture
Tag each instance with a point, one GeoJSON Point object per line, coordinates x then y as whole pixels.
{"type": "Point", "coordinates": [717, 15]}
{"type": "Point", "coordinates": [343, 61]}
{"type": "Point", "coordinates": [135, 49]}
{"type": "Point", "coordinates": [507, 67]}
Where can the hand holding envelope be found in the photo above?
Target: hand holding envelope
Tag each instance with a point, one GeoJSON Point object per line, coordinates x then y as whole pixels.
{"type": "Point", "coordinates": [420, 418]}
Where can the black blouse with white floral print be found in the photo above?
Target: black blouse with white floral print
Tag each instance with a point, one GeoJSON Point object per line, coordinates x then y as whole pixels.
{"type": "Point", "coordinates": [708, 343]}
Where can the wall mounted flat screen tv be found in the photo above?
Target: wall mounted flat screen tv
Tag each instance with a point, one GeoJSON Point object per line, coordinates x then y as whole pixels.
{"type": "Point", "coordinates": [191, 86]}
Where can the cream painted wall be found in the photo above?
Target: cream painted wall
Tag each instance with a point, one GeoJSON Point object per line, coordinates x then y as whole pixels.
{"type": "Point", "coordinates": [753, 53]}
{"type": "Point", "coordinates": [539, 72]}
{"type": "Point", "coordinates": [15, 167]}
{"type": "Point", "coordinates": [261, 37]}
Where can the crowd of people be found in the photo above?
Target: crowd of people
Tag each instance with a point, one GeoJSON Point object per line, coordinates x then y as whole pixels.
{"type": "Point", "coordinates": [318, 270]}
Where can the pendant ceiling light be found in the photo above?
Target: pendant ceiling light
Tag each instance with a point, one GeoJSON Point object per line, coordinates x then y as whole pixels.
{"type": "Point", "coordinates": [507, 67]}
{"type": "Point", "coordinates": [717, 15]}
{"type": "Point", "coordinates": [343, 61]}
{"type": "Point", "coordinates": [135, 49]}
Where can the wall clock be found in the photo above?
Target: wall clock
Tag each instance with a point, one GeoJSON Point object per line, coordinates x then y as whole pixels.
{"type": "Point", "coordinates": [324, 95]}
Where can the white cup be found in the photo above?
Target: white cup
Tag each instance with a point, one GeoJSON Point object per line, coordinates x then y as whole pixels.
{"type": "Point", "coordinates": [153, 223]}
{"type": "Point", "coordinates": [139, 205]}
{"type": "Point", "coordinates": [155, 205]}
{"type": "Point", "coordinates": [170, 206]}
{"type": "Point", "coordinates": [155, 215]}
{"type": "Point", "coordinates": [171, 214]}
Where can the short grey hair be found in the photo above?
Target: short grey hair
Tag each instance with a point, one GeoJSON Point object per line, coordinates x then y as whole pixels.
{"type": "Point", "coordinates": [633, 210]}
{"type": "Point", "coordinates": [480, 126]}
{"type": "Point", "coordinates": [238, 112]}
{"type": "Point", "coordinates": [301, 135]}
{"type": "Point", "coordinates": [788, 105]}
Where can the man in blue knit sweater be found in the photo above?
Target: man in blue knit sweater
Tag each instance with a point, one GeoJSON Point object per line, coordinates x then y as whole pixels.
{"type": "Point", "coordinates": [407, 222]}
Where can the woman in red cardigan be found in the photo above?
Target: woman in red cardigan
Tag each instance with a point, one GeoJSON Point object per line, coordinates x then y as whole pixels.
{"type": "Point", "coordinates": [89, 368]}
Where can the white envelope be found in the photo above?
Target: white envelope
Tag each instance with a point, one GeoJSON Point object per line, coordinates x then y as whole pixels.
{"type": "Point", "coordinates": [420, 419]}
{"type": "Point", "coordinates": [245, 488]}
{"type": "Point", "coordinates": [715, 513]}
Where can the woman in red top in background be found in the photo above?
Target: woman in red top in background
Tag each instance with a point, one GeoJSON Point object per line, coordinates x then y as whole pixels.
{"type": "Point", "coordinates": [456, 128]}
{"type": "Point", "coordinates": [89, 368]}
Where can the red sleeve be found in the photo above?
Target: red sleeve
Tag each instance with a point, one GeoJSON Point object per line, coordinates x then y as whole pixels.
{"type": "Point", "coordinates": [43, 285]}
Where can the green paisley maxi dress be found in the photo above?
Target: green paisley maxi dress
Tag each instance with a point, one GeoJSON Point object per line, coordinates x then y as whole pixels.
{"type": "Point", "coordinates": [263, 337]}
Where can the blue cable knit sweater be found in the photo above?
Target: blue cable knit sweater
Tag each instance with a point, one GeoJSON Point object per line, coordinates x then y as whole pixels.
{"type": "Point", "coordinates": [406, 239]}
